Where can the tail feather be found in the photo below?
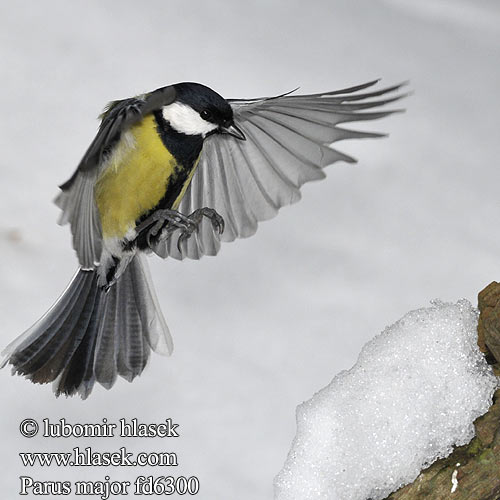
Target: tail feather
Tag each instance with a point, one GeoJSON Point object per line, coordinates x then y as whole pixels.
{"type": "Point", "coordinates": [107, 343]}
{"type": "Point", "coordinates": [155, 328]}
{"type": "Point", "coordinates": [78, 375]}
{"type": "Point", "coordinates": [91, 335]}
{"type": "Point", "coordinates": [37, 349]}
{"type": "Point", "coordinates": [133, 355]}
{"type": "Point", "coordinates": [85, 328]}
{"type": "Point", "coordinates": [60, 349]}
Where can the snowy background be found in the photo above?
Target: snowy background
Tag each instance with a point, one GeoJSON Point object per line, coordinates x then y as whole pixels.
{"type": "Point", "coordinates": [272, 319]}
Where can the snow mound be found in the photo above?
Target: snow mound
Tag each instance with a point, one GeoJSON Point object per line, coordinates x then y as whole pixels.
{"type": "Point", "coordinates": [412, 395]}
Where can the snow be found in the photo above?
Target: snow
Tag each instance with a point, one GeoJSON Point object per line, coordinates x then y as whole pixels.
{"type": "Point", "coordinates": [410, 398]}
{"type": "Point", "coordinates": [269, 320]}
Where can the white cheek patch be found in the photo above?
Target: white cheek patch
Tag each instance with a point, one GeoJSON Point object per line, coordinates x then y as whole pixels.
{"type": "Point", "coordinates": [186, 120]}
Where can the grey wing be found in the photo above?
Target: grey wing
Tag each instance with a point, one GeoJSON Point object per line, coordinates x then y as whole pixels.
{"type": "Point", "coordinates": [76, 198]}
{"type": "Point", "coordinates": [287, 144]}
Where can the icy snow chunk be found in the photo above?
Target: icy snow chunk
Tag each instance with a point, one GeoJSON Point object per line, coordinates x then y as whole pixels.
{"type": "Point", "coordinates": [412, 395]}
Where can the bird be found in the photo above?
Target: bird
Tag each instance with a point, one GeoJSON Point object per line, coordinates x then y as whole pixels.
{"type": "Point", "coordinates": [174, 172]}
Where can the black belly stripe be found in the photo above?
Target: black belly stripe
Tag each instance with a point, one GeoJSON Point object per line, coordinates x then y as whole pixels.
{"type": "Point", "coordinates": [185, 149]}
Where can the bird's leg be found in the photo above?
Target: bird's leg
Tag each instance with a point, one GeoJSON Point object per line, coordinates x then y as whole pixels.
{"type": "Point", "coordinates": [162, 223]}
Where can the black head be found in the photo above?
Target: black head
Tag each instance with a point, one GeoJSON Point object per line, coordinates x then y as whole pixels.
{"type": "Point", "coordinates": [209, 104]}
{"type": "Point", "coordinates": [211, 107]}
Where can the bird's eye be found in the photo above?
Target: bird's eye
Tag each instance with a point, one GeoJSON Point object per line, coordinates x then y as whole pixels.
{"type": "Point", "coordinates": [205, 114]}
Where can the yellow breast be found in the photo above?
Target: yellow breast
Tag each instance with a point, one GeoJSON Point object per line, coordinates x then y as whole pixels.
{"type": "Point", "coordinates": [135, 179]}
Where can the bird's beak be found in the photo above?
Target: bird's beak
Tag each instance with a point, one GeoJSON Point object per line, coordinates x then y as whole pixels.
{"type": "Point", "coordinates": [234, 131]}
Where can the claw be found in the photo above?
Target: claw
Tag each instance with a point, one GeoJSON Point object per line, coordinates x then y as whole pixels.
{"type": "Point", "coordinates": [183, 237]}
{"type": "Point", "coordinates": [217, 223]}
{"type": "Point", "coordinates": [216, 220]}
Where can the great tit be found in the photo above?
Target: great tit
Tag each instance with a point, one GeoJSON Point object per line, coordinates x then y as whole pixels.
{"type": "Point", "coordinates": [175, 172]}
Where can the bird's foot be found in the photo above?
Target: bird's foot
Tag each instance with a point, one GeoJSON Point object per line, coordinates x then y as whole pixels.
{"type": "Point", "coordinates": [196, 217]}
{"type": "Point", "coordinates": [162, 223]}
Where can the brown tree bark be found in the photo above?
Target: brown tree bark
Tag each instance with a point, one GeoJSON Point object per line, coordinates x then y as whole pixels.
{"type": "Point", "coordinates": [471, 472]}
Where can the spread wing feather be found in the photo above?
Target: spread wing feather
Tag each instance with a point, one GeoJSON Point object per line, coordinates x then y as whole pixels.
{"type": "Point", "coordinates": [287, 144]}
{"type": "Point", "coordinates": [76, 198]}
{"type": "Point", "coordinates": [80, 211]}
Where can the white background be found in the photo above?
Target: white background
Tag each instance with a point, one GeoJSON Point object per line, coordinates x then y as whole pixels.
{"type": "Point", "coordinates": [272, 319]}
